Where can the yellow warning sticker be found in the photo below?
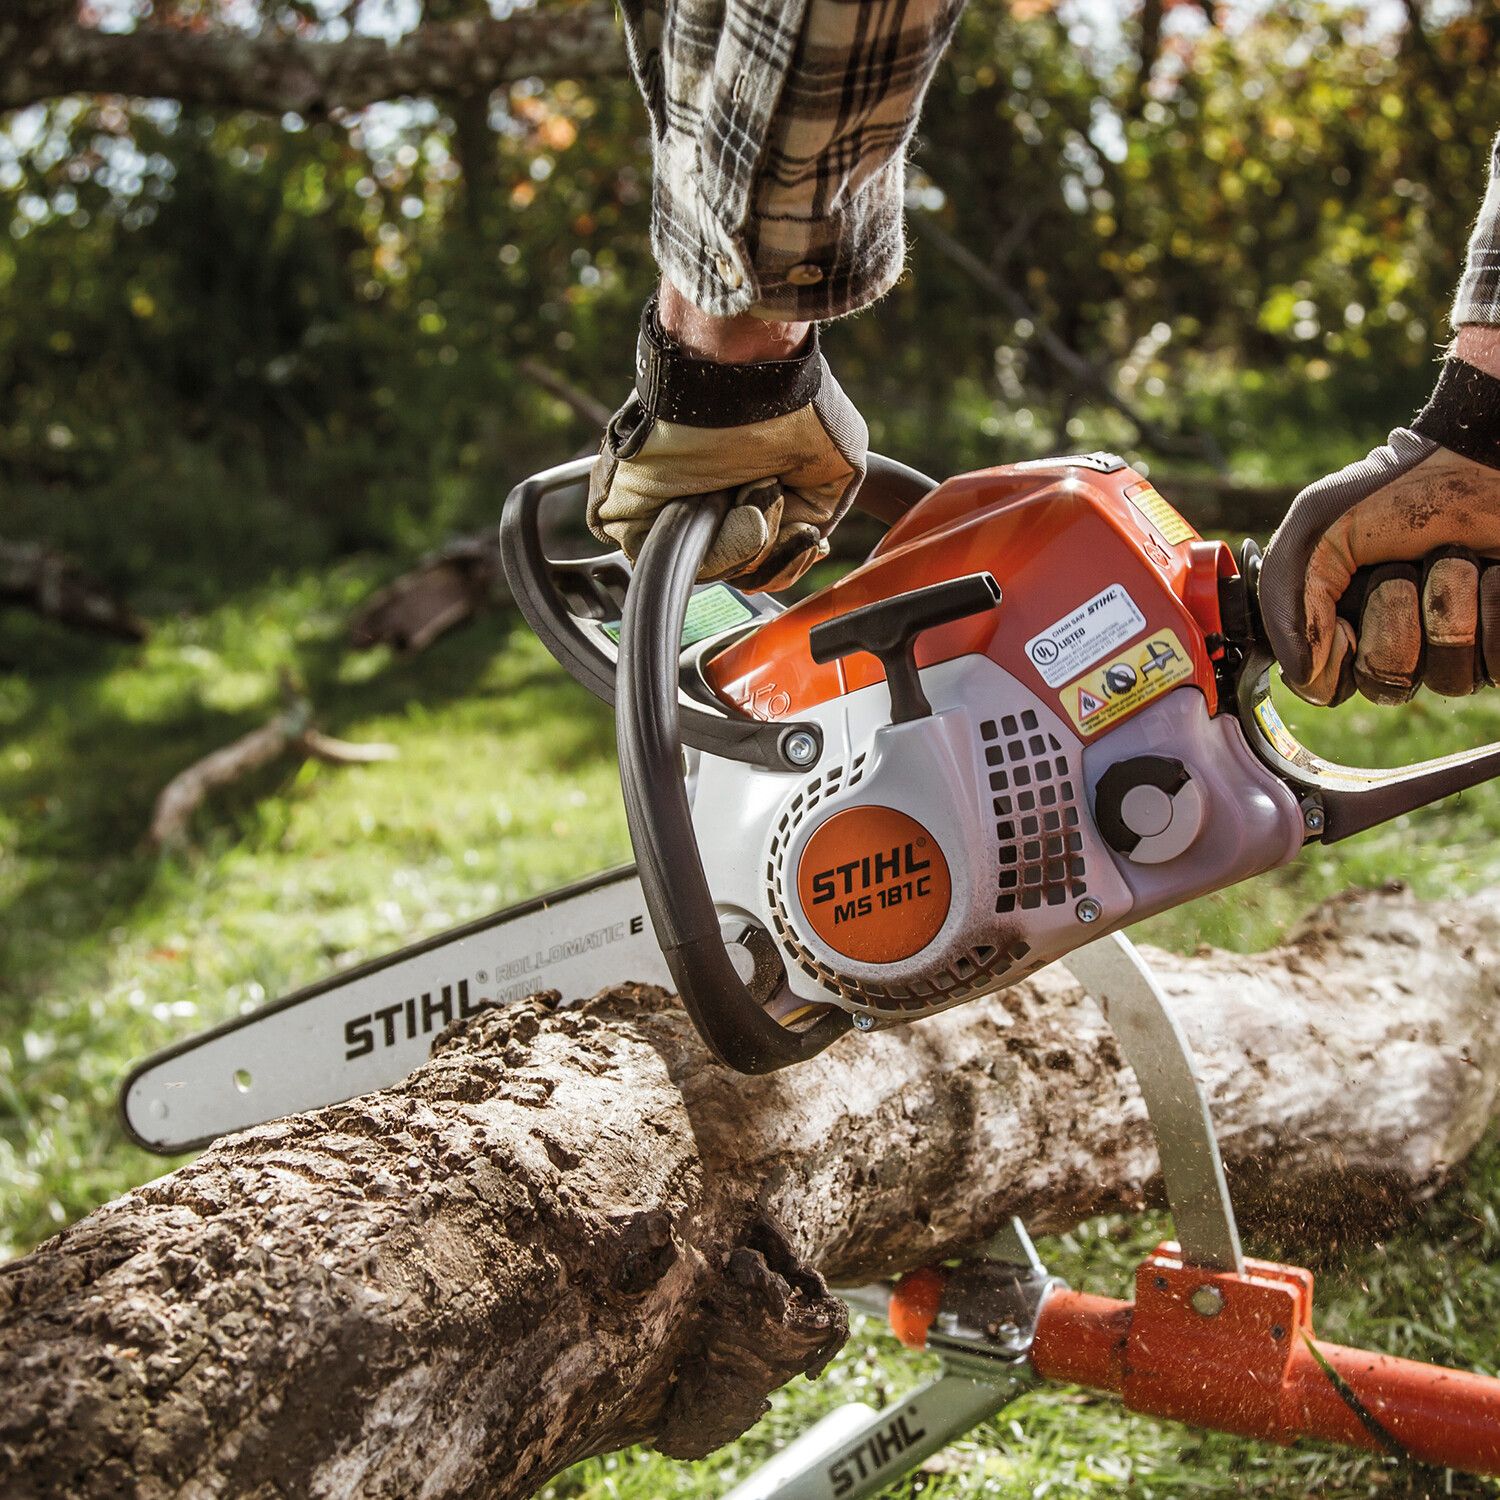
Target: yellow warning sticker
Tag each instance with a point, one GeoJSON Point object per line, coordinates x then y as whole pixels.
{"type": "Point", "coordinates": [1162, 514]}
{"type": "Point", "coordinates": [1122, 685]}
{"type": "Point", "coordinates": [1275, 728]}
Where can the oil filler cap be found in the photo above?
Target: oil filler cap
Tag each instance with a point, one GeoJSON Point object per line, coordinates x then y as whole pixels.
{"type": "Point", "coordinates": [1149, 808]}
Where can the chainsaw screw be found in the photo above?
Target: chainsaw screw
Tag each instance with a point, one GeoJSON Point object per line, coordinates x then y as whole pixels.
{"type": "Point", "coordinates": [800, 748]}
{"type": "Point", "coordinates": [1277, 1332]}
{"type": "Point", "coordinates": [1088, 910]}
{"type": "Point", "coordinates": [1208, 1301]}
{"type": "Point", "coordinates": [1312, 819]}
{"type": "Point", "coordinates": [863, 1021]}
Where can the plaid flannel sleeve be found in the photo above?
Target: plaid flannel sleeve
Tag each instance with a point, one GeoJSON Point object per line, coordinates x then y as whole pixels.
{"type": "Point", "coordinates": [1478, 298]}
{"type": "Point", "coordinates": [779, 136]}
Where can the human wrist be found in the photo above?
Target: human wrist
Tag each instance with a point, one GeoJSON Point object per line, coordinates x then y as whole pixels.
{"type": "Point", "coordinates": [1478, 344]}
{"type": "Point", "coordinates": [741, 339]}
{"type": "Point", "coordinates": [1463, 413]}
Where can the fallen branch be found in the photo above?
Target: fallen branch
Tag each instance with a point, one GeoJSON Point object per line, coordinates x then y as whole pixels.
{"type": "Point", "coordinates": [441, 592]}
{"type": "Point", "coordinates": [57, 588]}
{"type": "Point", "coordinates": [569, 1231]}
{"type": "Point", "coordinates": [289, 733]}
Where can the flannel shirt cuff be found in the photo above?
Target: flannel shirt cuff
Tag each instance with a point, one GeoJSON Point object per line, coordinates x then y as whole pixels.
{"type": "Point", "coordinates": [787, 269]}
{"type": "Point", "coordinates": [1478, 299]}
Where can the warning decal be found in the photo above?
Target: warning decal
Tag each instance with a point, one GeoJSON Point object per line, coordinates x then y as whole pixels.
{"type": "Point", "coordinates": [1085, 634]}
{"type": "Point", "coordinates": [1161, 513]}
{"type": "Point", "coordinates": [1088, 704]}
{"type": "Point", "coordinates": [1275, 729]}
{"type": "Point", "coordinates": [1121, 686]}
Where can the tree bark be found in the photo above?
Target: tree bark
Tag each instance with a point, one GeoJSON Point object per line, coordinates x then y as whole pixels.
{"type": "Point", "coordinates": [45, 53]}
{"type": "Point", "coordinates": [569, 1232]}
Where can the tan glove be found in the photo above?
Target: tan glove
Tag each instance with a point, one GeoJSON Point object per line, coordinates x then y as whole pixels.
{"type": "Point", "coordinates": [780, 435]}
{"type": "Point", "coordinates": [1421, 517]}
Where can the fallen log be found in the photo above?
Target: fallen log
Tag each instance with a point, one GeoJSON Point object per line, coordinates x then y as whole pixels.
{"type": "Point", "coordinates": [444, 589]}
{"type": "Point", "coordinates": [569, 1232]}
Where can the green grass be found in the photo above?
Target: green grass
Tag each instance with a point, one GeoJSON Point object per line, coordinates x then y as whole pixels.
{"type": "Point", "coordinates": [506, 786]}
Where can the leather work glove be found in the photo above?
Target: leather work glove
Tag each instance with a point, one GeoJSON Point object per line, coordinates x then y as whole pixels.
{"type": "Point", "coordinates": [1422, 516]}
{"type": "Point", "coordinates": [780, 435]}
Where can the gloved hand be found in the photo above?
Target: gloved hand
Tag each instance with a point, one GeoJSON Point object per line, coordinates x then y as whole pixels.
{"type": "Point", "coordinates": [1423, 514]}
{"type": "Point", "coordinates": [780, 435]}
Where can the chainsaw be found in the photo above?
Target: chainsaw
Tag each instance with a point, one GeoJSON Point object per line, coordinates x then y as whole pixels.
{"type": "Point", "coordinates": [1038, 713]}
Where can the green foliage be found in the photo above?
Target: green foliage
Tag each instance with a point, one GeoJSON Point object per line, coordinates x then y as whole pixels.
{"type": "Point", "coordinates": [1293, 193]}
{"type": "Point", "coordinates": [243, 361]}
{"type": "Point", "coordinates": [330, 320]}
{"type": "Point", "coordinates": [308, 316]}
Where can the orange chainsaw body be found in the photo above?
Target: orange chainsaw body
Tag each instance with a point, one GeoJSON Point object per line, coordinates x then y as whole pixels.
{"type": "Point", "coordinates": [1036, 528]}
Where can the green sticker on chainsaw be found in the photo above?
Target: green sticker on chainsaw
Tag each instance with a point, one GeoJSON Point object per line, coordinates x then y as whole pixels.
{"type": "Point", "coordinates": [710, 611]}
{"type": "Point", "coordinates": [1133, 678]}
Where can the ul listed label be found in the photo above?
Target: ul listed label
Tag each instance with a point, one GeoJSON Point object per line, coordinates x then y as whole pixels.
{"type": "Point", "coordinates": [1084, 635]}
{"type": "Point", "coordinates": [874, 885]}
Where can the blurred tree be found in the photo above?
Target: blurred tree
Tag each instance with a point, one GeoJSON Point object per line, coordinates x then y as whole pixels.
{"type": "Point", "coordinates": [299, 56]}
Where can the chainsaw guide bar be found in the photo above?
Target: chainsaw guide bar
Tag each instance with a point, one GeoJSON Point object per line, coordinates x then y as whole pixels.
{"type": "Point", "coordinates": [368, 1027]}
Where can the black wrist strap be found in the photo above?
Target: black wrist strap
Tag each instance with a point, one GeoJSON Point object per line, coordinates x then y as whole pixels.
{"type": "Point", "coordinates": [1464, 413]}
{"type": "Point", "coordinates": [676, 387]}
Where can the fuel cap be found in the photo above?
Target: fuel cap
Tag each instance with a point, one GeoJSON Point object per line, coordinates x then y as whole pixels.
{"type": "Point", "coordinates": [1148, 808]}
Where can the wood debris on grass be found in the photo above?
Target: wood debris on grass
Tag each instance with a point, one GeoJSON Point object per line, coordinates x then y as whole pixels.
{"type": "Point", "coordinates": [291, 732]}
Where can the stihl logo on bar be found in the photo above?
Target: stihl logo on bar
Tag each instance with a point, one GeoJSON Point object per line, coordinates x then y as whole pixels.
{"type": "Point", "coordinates": [874, 885]}
{"type": "Point", "coordinates": [872, 1455]}
{"type": "Point", "coordinates": [418, 1015]}
{"type": "Point", "coordinates": [421, 1015]}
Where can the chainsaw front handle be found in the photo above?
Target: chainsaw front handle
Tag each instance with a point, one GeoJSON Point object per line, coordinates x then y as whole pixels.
{"type": "Point", "coordinates": [538, 585]}
{"type": "Point", "coordinates": [649, 731]}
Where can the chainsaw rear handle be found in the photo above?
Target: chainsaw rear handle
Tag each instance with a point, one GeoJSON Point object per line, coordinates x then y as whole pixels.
{"type": "Point", "coordinates": [648, 728]}
{"type": "Point", "coordinates": [1338, 800]}
{"type": "Point", "coordinates": [889, 490]}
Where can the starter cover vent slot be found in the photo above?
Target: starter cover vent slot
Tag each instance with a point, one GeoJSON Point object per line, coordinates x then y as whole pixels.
{"type": "Point", "coordinates": [1037, 819]}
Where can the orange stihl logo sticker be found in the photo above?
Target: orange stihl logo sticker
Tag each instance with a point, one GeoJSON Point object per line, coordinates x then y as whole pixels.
{"type": "Point", "coordinates": [874, 885]}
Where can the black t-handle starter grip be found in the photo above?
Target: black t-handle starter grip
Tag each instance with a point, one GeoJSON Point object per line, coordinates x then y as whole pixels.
{"type": "Point", "coordinates": [648, 728]}
{"type": "Point", "coordinates": [888, 630]}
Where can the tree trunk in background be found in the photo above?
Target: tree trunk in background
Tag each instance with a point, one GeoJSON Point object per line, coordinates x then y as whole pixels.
{"type": "Point", "coordinates": [45, 52]}
{"type": "Point", "coordinates": [569, 1231]}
